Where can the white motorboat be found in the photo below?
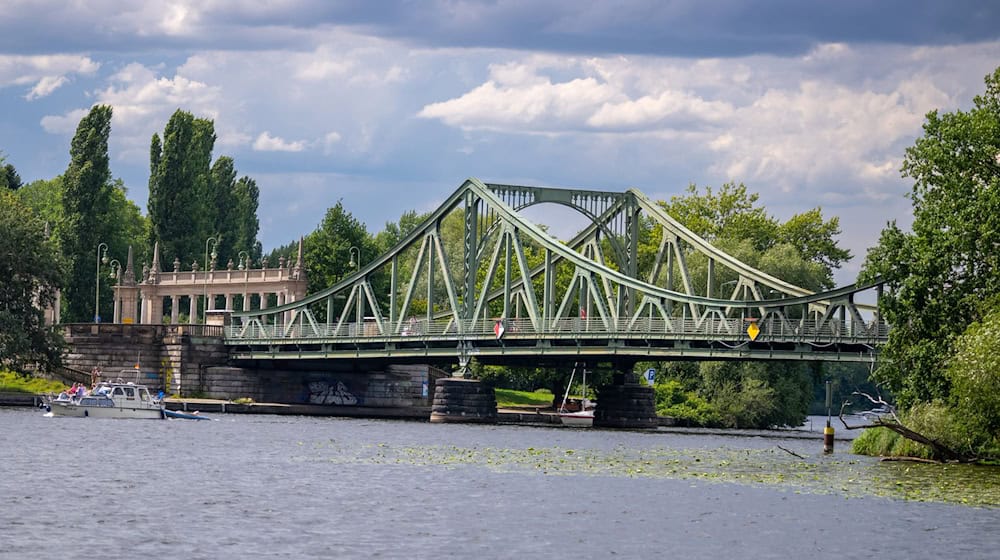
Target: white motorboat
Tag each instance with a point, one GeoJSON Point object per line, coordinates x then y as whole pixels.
{"type": "Point", "coordinates": [583, 418]}
{"type": "Point", "coordinates": [116, 399]}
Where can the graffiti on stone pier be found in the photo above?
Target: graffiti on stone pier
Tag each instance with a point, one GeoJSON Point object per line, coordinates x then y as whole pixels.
{"type": "Point", "coordinates": [330, 392]}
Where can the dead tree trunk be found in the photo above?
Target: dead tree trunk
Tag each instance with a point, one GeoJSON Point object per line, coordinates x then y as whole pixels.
{"type": "Point", "coordinates": [940, 450]}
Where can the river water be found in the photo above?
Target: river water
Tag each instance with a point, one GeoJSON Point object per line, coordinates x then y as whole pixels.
{"type": "Point", "coordinates": [247, 486]}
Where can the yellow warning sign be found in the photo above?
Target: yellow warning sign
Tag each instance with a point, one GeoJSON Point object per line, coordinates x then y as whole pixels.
{"type": "Point", "coordinates": [753, 330]}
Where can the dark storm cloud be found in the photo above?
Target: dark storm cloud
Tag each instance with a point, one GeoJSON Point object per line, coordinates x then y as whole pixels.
{"type": "Point", "coordinates": [684, 28]}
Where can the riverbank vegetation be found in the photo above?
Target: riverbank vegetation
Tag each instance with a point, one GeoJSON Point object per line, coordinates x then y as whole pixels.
{"type": "Point", "coordinates": [11, 382]}
{"type": "Point", "coordinates": [942, 289]}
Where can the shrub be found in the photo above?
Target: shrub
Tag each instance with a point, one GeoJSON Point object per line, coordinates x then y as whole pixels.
{"type": "Point", "coordinates": [11, 382]}
{"type": "Point", "coordinates": [686, 406]}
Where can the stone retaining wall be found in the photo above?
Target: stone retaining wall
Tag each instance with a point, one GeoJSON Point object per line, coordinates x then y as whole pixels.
{"type": "Point", "coordinates": [192, 361]}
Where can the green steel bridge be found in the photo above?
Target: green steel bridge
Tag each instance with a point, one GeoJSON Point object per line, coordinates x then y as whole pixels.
{"type": "Point", "coordinates": [477, 279]}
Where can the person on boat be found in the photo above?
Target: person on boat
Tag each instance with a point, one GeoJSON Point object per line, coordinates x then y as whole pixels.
{"type": "Point", "coordinates": [95, 377]}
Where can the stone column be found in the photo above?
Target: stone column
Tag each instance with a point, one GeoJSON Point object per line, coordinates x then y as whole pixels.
{"type": "Point", "coordinates": [229, 300]}
{"type": "Point", "coordinates": [154, 309]}
{"type": "Point", "coordinates": [193, 310]}
{"type": "Point", "coordinates": [175, 309]}
{"type": "Point", "coordinates": [117, 317]}
{"type": "Point", "coordinates": [263, 301]}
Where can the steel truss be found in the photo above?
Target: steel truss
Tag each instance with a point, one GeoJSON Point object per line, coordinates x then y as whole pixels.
{"type": "Point", "coordinates": [502, 289]}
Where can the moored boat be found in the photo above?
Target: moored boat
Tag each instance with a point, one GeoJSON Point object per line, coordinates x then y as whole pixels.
{"type": "Point", "coordinates": [582, 418]}
{"type": "Point", "coordinates": [579, 419]}
{"type": "Point", "coordinates": [116, 399]}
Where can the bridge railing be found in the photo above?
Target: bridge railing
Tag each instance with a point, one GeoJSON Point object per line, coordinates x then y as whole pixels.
{"type": "Point", "coordinates": [708, 329]}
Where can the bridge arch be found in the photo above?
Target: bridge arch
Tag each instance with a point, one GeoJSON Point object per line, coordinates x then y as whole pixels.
{"type": "Point", "coordinates": [508, 288]}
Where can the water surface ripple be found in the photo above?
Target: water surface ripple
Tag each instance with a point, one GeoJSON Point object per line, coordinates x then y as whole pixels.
{"type": "Point", "coordinates": [295, 487]}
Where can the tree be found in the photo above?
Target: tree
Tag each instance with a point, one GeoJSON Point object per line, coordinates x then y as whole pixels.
{"type": "Point", "coordinates": [802, 251]}
{"type": "Point", "coordinates": [245, 225]}
{"type": "Point", "coordinates": [180, 181]}
{"type": "Point", "coordinates": [974, 374]}
{"type": "Point", "coordinates": [9, 179]}
{"type": "Point", "coordinates": [328, 248]}
{"type": "Point", "coordinates": [938, 276]}
{"type": "Point", "coordinates": [222, 200]}
{"type": "Point", "coordinates": [32, 271]}
{"type": "Point", "coordinates": [87, 204]}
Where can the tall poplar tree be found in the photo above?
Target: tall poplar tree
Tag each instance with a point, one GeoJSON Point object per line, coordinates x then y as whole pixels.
{"type": "Point", "coordinates": [87, 204]}
{"type": "Point", "coordinates": [245, 224]}
{"type": "Point", "coordinates": [180, 210]}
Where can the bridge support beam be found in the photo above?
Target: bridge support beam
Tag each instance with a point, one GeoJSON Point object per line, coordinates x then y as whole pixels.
{"type": "Point", "coordinates": [625, 404]}
{"type": "Point", "coordinates": [466, 401]}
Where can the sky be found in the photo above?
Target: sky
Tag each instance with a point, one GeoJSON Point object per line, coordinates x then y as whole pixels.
{"type": "Point", "coordinates": [389, 106]}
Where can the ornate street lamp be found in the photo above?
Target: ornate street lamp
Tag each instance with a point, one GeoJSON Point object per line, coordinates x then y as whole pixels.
{"type": "Point", "coordinates": [115, 274]}
{"type": "Point", "coordinates": [97, 276]}
{"type": "Point", "coordinates": [116, 270]}
{"type": "Point", "coordinates": [214, 242]}
{"type": "Point", "coordinates": [355, 262]}
{"type": "Point", "coordinates": [244, 261]}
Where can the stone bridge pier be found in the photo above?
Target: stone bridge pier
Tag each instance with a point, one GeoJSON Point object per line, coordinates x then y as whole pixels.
{"type": "Point", "coordinates": [626, 403]}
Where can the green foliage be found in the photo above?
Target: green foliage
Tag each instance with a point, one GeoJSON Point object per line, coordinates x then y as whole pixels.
{"type": "Point", "coordinates": [974, 373]}
{"type": "Point", "coordinates": [180, 181]}
{"type": "Point", "coordinates": [86, 206]}
{"type": "Point", "coordinates": [29, 284]}
{"type": "Point", "coordinates": [11, 382]}
{"type": "Point", "coordinates": [883, 442]}
{"type": "Point", "coordinates": [328, 248]}
{"type": "Point", "coordinates": [9, 179]}
{"type": "Point", "coordinates": [245, 225]}
{"type": "Point", "coordinates": [730, 213]}
{"type": "Point", "coordinates": [938, 276]}
{"type": "Point", "coordinates": [802, 250]}
{"type": "Point", "coordinates": [937, 421]}
{"type": "Point", "coordinates": [685, 406]}
{"type": "Point", "coordinates": [743, 404]}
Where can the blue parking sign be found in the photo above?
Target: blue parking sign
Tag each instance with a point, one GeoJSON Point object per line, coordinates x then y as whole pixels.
{"type": "Point", "coordinates": [650, 375]}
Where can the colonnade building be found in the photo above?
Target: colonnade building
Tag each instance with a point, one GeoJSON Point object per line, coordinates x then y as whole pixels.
{"type": "Point", "coordinates": [144, 300]}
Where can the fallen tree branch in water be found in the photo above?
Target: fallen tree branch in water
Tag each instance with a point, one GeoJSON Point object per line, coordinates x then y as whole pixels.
{"type": "Point", "coordinates": [940, 450]}
{"type": "Point", "coordinates": [912, 460]}
{"type": "Point", "coordinates": [791, 452]}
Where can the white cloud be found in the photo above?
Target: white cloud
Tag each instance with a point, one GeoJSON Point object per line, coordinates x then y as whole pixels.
{"type": "Point", "coordinates": [143, 100]}
{"type": "Point", "coordinates": [267, 143]}
{"type": "Point", "coordinates": [45, 86]}
{"type": "Point", "coordinates": [518, 98]}
{"type": "Point", "coordinates": [330, 139]}
{"type": "Point", "coordinates": [63, 124]}
{"type": "Point", "coordinates": [44, 73]}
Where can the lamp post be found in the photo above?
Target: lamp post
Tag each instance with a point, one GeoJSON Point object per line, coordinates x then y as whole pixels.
{"type": "Point", "coordinates": [245, 267]}
{"type": "Point", "coordinates": [214, 242]}
{"type": "Point", "coordinates": [97, 276]}
{"type": "Point", "coordinates": [244, 260]}
{"type": "Point", "coordinates": [355, 262]}
{"type": "Point", "coordinates": [115, 274]}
